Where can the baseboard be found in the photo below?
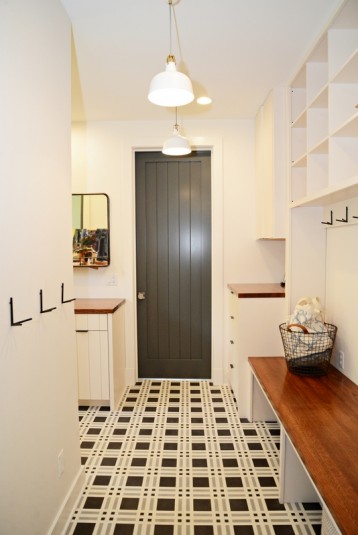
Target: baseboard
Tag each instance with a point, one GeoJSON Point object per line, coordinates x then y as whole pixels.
{"type": "Point", "coordinates": [68, 504]}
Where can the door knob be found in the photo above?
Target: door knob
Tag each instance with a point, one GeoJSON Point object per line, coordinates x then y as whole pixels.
{"type": "Point", "coordinates": [141, 296]}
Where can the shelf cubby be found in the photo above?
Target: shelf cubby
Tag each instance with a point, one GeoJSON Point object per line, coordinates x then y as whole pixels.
{"type": "Point", "coordinates": [298, 144]}
{"type": "Point", "coordinates": [317, 172]}
{"type": "Point", "coordinates": [343, 99]}
{"type": "Point", "coordinates": [343, 159]}
{"type": "Point", "coordinates": [324, 103]}
{"type": "Point", "coordinates": [342, 43]}
{"type": "Point", "coordinates": [317, 78]}
{"type": "Point", "coordinates": [317, 126]}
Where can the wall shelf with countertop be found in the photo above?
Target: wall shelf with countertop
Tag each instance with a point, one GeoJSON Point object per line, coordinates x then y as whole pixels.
{"type": "Point", "coordinates": [255, 312]}
{"type": "Point", "coordinates": [100, 351]}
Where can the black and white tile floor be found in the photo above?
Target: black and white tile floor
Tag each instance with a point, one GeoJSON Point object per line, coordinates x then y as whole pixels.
{"type": "Point", "coordinates": [176, 460]}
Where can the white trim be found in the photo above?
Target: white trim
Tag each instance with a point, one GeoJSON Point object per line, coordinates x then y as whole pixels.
{"type": "Point", "coordinates": [64, 512]}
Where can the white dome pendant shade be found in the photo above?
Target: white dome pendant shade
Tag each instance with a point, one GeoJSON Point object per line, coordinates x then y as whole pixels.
{"type": "Point", "coordinates": [171, 88]}
{"type": "Point", "coordinates": [176, 145]}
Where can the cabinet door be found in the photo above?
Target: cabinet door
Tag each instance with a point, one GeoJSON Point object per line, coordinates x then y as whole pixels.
{"type": "Point", "coordinates": [98, 363]}
{"type": "Point", "coordinates": [83, 366]}
{"type": "Point", "coordinates": [271, 158]}
{"type": "Point", "coordinates": [92, 356]}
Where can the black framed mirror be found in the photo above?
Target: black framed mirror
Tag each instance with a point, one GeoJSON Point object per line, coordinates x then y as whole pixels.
{"type": "Point", "coordinates": [90, 230]}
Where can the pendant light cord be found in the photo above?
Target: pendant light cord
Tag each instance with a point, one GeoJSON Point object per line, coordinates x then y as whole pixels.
{"type": "Point", "coordinates": [170, 4]}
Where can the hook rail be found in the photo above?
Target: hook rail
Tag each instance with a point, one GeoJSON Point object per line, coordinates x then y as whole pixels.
{"type": "Point", "coordinates": [63, 300]}
{"type": "Point", "coordinates": [344, 220]}
{"type": "Point", "coordinates": [15, 323]}
{"type": "Point", "coordinates": [43, 310]}
{"type": "Point", "coordinates": [328, 222]}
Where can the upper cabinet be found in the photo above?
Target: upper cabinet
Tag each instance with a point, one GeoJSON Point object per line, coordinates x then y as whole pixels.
{"type": "Point", "coordinates": [271, 169]}
{"type": "Point", "coordinates": [324, 116]}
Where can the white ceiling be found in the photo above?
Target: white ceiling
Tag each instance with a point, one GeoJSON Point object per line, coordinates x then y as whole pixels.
{"type": "Point", "coordinates": [235, 50]}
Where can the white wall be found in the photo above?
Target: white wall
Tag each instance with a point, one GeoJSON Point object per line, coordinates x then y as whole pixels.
{"type": "Point", "coordinates": [38, 415]}
{"type": "Point", "coordinates": [102, 156]}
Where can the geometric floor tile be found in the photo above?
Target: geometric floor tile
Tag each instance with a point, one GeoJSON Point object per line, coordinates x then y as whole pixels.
{"type": "Point", "coordinates": [175, 459]}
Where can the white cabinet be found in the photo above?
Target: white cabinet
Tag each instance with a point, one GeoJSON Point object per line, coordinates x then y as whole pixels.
{"type": "Point", "coordinates": [271, 166]}
{"type": "Point", "coordinates": [253, 330]}
{"type": "Point", "coordinates": [92, 356]}
{"type": "Point", "coordinates": [100, 357]}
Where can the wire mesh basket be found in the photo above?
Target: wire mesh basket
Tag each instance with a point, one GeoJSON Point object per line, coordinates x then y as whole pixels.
{"type": "Point", "coordinates": [307, 353]}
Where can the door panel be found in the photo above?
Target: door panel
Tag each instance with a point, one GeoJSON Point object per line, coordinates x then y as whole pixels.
{"type": "Point", "coordinates": [173, 222]}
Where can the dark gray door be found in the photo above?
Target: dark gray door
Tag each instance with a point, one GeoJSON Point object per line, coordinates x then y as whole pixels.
{"type": "Point", "coordinates": [173, 233]}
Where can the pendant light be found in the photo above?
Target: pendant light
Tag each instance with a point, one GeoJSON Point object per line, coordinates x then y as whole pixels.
{"type": "Point", "coordinates": [171, 87]}
{"type": "Point", "coordinates": [176, 145]}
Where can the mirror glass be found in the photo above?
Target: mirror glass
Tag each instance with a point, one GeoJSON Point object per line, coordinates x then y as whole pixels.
{"type": "Point", "coordinates": [90, 230]}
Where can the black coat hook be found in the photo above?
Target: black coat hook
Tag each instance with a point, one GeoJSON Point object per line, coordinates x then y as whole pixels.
{"type": "Point", "coordinates": [42, 310]}
{"type": "Point", "coordinates": [63, 300]}
{"type": "Point", "coordinates": [328, 222]}
{"type": "Point", "coordinates": [15, 323]}
{"type": "Point", "coordinates": [344, 220]}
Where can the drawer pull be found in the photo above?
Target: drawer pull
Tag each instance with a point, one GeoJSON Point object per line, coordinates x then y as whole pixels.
{"type": "Point", "coordinates": [232, 317]}
{"type": "Point", "coordinates": [81, 331]}
{"type": "Point", "coordinates": [232, 342]}
{"type": "Point", "coordinates": [231, 366]}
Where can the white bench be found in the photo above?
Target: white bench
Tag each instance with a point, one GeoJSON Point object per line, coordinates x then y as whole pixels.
{"type": "Point", "coordinates": [319, 438]}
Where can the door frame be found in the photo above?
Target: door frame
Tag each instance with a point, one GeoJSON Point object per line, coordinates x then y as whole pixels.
{"type": "Point", "coordinates": [192, 349]}
{"type": "Point", "coordinates": [214, 146]}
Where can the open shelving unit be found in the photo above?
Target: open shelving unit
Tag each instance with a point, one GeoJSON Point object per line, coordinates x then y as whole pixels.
{"type": "Point", "coordinates": [324, 117]}
{"type": "Point", "coordinates": [324, 150]}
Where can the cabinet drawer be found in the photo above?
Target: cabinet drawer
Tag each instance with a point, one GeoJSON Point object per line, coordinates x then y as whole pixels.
{"type": "Point", "coordinates": [91, 322]}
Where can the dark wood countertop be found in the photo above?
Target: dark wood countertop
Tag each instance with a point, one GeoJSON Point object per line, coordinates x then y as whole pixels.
{"type": "Point", "coordinates": [257, 290]}
{"type": "Point", "coordinates": [320, 415]}
{"type": "Point", "coordinates": [97, 306]}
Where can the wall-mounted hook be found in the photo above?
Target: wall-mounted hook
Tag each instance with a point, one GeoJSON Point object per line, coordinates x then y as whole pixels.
{"type": "Point", "coordinates": [63, 300]}
{"type": "Point", "coordinates": [328, 222]}
{"type": "Point", "coordinates": [42, 310]}
{"type": "Point", "coordinates": [15, 323]}
{"type": "Point", "coordinates": [344, 220]}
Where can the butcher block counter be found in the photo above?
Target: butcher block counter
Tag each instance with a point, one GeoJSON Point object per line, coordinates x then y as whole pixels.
{"type": "Point", "coordinates": [253, 290]}
{"type": "Point", "coordinates": [97, 306]}
{"type": "Point", "coordinates": [255, 312]}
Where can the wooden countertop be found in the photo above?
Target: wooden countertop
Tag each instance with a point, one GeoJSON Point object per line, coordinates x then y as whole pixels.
{"type": "Point", "coordinates": [97, 306]}
{"type": "Point", "coordinates": [320, 415]}
{"type": "Point", "coordinates": [257, 290]}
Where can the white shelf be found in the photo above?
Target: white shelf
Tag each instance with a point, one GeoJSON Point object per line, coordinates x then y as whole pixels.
{"type": "Point", "coordinates": [301, 120]}
{"type": "Point", "coordinates": [321, 147]}
{"type": "Point", "coordinates": [329, 195]}
{"type": "Point", "coordinates": [321, 99]}
{"type": "Point", "coordinates": [300, 162]}
{"type": "Point", "coordinates": [342, 44]}
{"type": "Point", "coordinates": [349, 128]}
{"type": "Point", "coordinates": [349, 72]}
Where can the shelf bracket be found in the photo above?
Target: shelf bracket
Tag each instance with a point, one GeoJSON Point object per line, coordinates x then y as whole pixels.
{"type": "Point", "coordinates": [42, 310]}
{"type": "Point", "coordinates": [344, 220]}
{"type": "Point", "coordinates": [15, 323]}
{"type": "Point", "coordinates": [328, 222]}
{"type": "Point", "coordinates": [63, 300]}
